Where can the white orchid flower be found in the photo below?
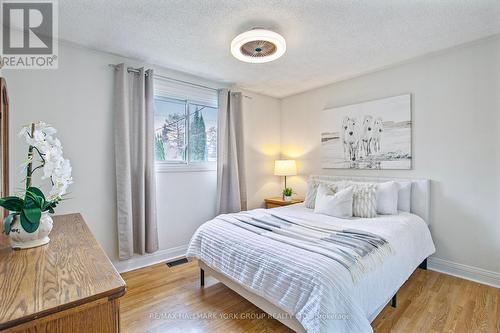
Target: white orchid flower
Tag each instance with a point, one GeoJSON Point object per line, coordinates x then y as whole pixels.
{"type": "Point", "coordinates": [55, 166]}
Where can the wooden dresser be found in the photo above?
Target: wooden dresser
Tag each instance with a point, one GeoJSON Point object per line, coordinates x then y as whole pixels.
{"type": "Point", "coordinates": [68, 285]}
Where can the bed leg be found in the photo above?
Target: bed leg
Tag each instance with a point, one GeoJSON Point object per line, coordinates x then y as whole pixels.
{"type": "Point", "coordinates": [394, 301]}
{"type": "Point", "coordinates": [202, 277]}
{"type": "Point", "coordinates": [423, 265]}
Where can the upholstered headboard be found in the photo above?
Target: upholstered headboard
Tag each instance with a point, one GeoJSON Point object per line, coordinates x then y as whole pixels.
{"type": "Point", "coordinates": [420, 191]}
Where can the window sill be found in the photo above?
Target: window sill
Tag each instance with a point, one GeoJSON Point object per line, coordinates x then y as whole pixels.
{"type": "Point", "coordinates": [162, 167]}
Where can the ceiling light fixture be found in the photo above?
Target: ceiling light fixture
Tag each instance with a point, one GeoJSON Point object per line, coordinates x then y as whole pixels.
{"type": "Point", "coordinates": [258, 46]}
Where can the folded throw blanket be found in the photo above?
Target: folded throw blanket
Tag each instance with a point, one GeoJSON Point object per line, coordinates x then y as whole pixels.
{"type": "Point", "coordinates": [358, 251]}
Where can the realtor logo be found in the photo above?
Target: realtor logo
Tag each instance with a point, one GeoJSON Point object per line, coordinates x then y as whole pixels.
{"type": "Point", "coordinates": [29, 34]}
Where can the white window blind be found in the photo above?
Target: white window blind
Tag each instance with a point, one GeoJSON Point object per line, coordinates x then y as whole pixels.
{"type": "Point", "coordinates": [186, 92]}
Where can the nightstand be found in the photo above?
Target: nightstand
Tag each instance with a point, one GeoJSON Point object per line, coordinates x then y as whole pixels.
{"type": "Point", "coordinates": [279, 202]}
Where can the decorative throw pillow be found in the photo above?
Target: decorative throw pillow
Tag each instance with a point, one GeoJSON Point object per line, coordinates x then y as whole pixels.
{"type": "Point", "coordinates": [404, 196]}
{"type": "Point", "coordinates": [312, 188]}
{"type": "Point", "coordinates": [364, 199]}
{"type": "Point", "coordinates": [337, 204]}
{"type": "Point", "coordinates": [387, 198]}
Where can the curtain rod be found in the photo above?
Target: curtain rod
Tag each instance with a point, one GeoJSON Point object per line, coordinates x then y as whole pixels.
{"type": "Point", "coordinates": [166, 78]}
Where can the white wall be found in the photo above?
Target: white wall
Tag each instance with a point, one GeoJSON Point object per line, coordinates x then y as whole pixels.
{"type": "Point", "coordinates": [261, 126]}
{"type": "Point", "coordinates": [77, 100]}
{"type": "Point", "coordinates": [185, 201]}
{"type": "Point", "coordinates": [456, 140]}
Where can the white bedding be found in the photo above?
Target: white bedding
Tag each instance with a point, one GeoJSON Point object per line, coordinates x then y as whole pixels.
{"type": "Point", "coordinates": [317, 290]}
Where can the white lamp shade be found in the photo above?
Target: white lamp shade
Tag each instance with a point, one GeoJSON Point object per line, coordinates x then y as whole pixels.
{"type": "Point", "coordinates": [285, 168]}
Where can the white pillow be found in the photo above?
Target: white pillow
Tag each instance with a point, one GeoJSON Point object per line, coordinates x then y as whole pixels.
{"type": "Point", "coordinates": [312, 188]}
{"type": "Point", "coordinates": [337, 205]}
{"type": "Point", "coordinates": [404, 196]}
{"type": "Point", "coordinates": [387, 198]}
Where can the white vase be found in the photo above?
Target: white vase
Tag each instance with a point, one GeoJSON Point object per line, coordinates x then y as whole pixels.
{"type": "Point", "coordinates": [20, 239]}
{"type": "Point", "coordinates": [288, 198]}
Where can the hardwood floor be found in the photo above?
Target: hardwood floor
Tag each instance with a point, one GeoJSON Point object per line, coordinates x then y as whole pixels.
{"type": "Point", "coordinates": [162, 299]}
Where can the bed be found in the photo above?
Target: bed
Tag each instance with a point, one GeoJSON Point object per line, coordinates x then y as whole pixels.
{"type": "Point", "coordinates": [306, 290]}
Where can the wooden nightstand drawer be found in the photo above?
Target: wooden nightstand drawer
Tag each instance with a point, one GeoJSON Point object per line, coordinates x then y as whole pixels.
{"type": "Point", "coordinates": [272, 205]}
{"type": "Point", "coordinates": [279, 202]}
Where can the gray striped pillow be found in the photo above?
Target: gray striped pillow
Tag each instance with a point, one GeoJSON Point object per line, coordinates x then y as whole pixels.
{"type": "Point", "coordinates": [365, 199]}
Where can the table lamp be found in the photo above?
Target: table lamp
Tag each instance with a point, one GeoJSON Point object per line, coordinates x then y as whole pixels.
{"type": "Point", "coordinates": [285, 168]}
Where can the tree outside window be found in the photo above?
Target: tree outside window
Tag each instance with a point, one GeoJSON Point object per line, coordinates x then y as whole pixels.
{"type": "Point", "coordinates": [185, 132]}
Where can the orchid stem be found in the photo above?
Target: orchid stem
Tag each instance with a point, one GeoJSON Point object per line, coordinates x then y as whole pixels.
{"type": "Point", "coordinates": [30, 158]}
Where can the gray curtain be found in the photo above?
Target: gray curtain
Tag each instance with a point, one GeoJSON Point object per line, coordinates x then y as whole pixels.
{"type": "Point", "coordinates": [231, 187]}
{"type": "Point", "coordinates": [134, 155]}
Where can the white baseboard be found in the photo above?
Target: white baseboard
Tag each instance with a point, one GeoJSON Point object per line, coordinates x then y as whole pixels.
{"type": "Point", "coordinates": [464, 271]}
{"type": "Point", "coordinates": [150, 259]}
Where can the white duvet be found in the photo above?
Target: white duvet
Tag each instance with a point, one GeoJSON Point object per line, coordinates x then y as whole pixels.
{"type": "Point", "coordinates": [318, 291]}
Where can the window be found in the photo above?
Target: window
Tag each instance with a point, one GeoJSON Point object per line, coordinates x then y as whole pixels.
{"type": "Point", "coordinates": [202, 133]}
{"type": "Point", "coordinates": [170, 130]}
{"type": "Point", "coordinates": [185, 130]}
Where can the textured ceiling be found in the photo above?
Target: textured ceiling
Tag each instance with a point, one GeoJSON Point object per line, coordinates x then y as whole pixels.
{"type": "Point", "coordinates": [327, 40]}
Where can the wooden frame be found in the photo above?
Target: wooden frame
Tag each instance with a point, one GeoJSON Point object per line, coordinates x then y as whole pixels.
{"type": "Point", "coordinates": [4, 141]}
{"type": "Point", "coordinates": [4, 148]}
